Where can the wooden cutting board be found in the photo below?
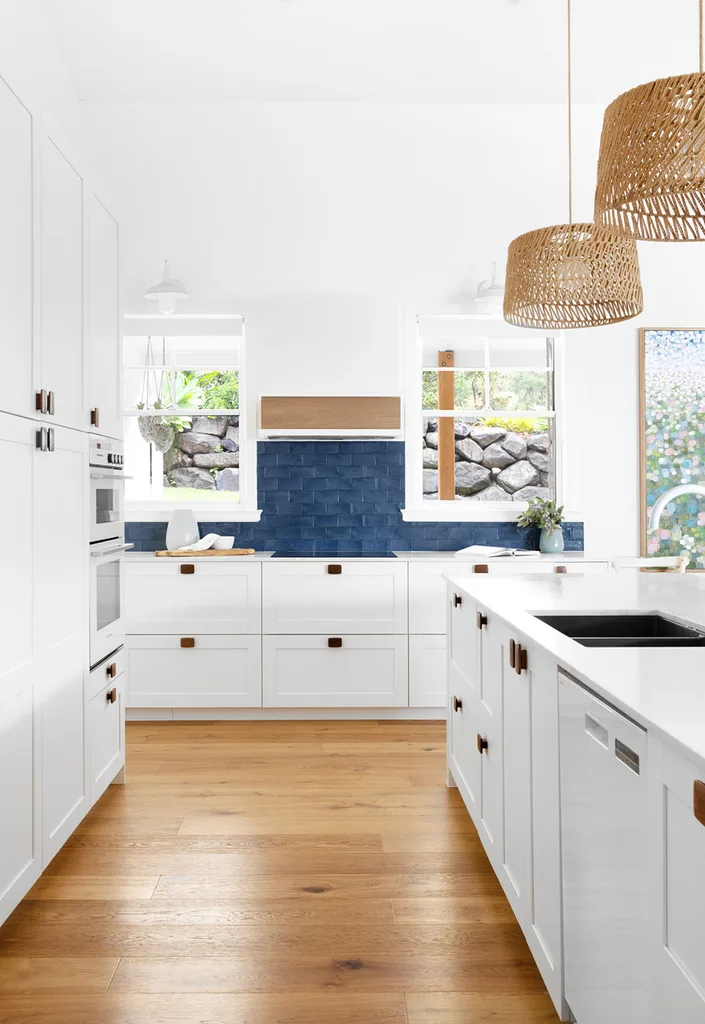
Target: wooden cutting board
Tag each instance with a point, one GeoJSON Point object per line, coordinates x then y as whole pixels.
{"type": "Point", "coordinates": [210, 553]}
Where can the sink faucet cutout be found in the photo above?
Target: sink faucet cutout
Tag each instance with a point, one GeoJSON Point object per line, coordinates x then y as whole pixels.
{"type": "Point", "coordinates": [675, 492]}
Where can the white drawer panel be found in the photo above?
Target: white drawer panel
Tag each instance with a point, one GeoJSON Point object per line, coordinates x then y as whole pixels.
{"type": "Point", "coordinates": [211, 672]}
{"type": "Point", "coordinates": [364, 671]}
{"type": "Point", "coordinates": [428, 671]}
{"type": "Point", "coordinates": [106, 732]}
{"type": "Point", "coordinates": [169, 595]}
{"type": "Point", "coordinates": [362, 597]}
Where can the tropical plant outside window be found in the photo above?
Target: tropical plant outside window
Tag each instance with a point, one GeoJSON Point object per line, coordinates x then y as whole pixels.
{"type": "Point", "coordinates": [182, 420]}
{"type": "Point", "coordinates": [499, 395]}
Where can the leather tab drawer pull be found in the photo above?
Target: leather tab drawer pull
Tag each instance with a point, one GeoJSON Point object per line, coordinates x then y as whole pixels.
{"type": "Point", "coordinates": [188, 641]}
{"type": "Point", "coordinates": [335, 570]}
{"type": "Point", "coordinates": [522, 659]}
{"type": "Point", "coordinates": [481, 620]}
{"type": "Point", "coordinates": [512, 654]}
{"type": "Point", "coordinates": [111, 695]}
{"type": "Point", "coordinates": [111, 670]}
{"type": "Point", "coordinates": [457, 704]}
{"type": "Point", "coordinates": [482, 744]}
{"type": "Point", "coordinates": [560, 569]}
{"type": "Point", "coordinates": [699, 801]}
{"type": "Point", "coordinates": [480, 568]}
{"type": "Point", "coordinates": [335, 641]}
{"type": "Point", "coordinates": [188, 570]}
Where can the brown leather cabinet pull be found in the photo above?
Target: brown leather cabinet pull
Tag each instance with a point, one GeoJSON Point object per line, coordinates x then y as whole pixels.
{"type": "Point", "coordinates": [335, 570]}
{"type": "Point", "coordinates": [699, 801]}
{"type": "Point", "coordinates": [561, 569]}
{"type": "Point", "coordinates": [522, 659]}
{"type": "Point", "coordinates": [188, 641]}
{"type": "Point", "coordinates": [512, 654]}
{"type": "Point", "coordinates": [95, 417]}
{"type": "Point", "coordinates": [481, 620]}
{"type": "Point", "coordinates": [480, 568]}
{"type": "Point", "coordinates": [457, 600]}
{"type": "Point", "coordinates": [457, 704]}
{"type": "Point", "coordinates": [111, 695]}
{"type": "Point", "coordinates": [482, 744]}
{"type": "Point", "coordinates": [335, 641]}
{"type": "Point", "coordinates": [111, 670]}
{"type": "Point", "coordinates": [188, 570]}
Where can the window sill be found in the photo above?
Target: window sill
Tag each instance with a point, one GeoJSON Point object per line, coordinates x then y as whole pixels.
{"type": "Point", "coordinates": [160, 512]}
{"type": "Point", "coordinates": [472, 512]}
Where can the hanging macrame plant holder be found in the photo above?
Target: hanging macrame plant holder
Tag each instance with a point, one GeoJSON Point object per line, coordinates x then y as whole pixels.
{"type": "Point", "coordinates": [155, 430]}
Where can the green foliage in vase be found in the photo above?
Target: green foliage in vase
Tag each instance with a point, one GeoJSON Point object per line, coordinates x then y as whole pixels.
{"type": "Point", "coordinates": [543, 513]}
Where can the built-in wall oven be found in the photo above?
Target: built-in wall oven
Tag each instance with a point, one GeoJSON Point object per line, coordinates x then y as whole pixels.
{"type": "Point", "coordinates": [107, 544]}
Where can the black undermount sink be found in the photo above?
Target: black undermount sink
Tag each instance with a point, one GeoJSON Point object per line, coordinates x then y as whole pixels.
{"type": "Point", "coordinates": [637, 630]}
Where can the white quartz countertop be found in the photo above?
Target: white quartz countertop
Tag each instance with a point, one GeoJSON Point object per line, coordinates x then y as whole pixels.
{"type": "Point", "coordinates": [150, 556]}
{"type": "Point", "coordinates": [566, 557]}
{"type": "Point", "coordinates": [661, 688]}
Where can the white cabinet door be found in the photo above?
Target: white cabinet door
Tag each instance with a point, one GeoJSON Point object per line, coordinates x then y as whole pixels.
{"type": "Point", "coordinates": [106, 731]}
{"type": "Point", "coordinates": [60, 615]}
{"type": "Point", "coordinates": [428, 671]}
{"type": "Point", "coordinates": [196, 671]}
{"type": "Point", "coordinates": [62, 370]}
{"type": "Point", "coordinates": [427, 595]}
{"type": "Point", "coordinates": [103, 341]}
{"type": "Point", "coordinates": [493, 655]}
{"type": "Point", "coordinates": [338, 672]}
{"type": "Point", "coordinates": [16, 380]}
{"type": "Point", "coordinates": [334, 597]}
{"type": "Point", "coordinates": [20, 837]}
{"type": "Point", "coordinates": [166, 595]}
{"type": "Point", "coordinates": [677, 888]}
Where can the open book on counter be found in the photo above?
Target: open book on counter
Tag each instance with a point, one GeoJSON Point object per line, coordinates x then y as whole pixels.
{"type": "Point", "coordinates": [483, 551]}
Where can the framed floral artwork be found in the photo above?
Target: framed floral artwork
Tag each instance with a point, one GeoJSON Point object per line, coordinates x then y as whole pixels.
{"type": "Point", "coordinates": [672, 432]}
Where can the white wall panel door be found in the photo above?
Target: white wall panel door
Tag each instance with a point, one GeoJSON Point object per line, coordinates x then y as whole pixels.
{"type": "Point", "coordinates": [166, 595]}
{"type": "Point", "coordinates": [20, 836]}
{"type": "Point", "coordinates": [60, 615]}
{"type": "Point", "coordinates": [103, 341]}
{"type": "Point", "coordinates": [197, 671]}
{"type": "Point", "coordinates": [358, 671]}
{"type": "Point", "coordinates": [16, 220]}
{"type": "Point", "coordinates": [428, 671]}
{"type": "Point", "coordinates": [334, 597]}
{"type": "Point", "coordinates": [62, 367]}
{"type": "Point", "coordinates": [427, 596]}
{"type": "Point", "coordinates": [106, 732]}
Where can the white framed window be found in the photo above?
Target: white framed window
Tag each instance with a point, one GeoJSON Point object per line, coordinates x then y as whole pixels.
{"type": "Point", "coordinates": [186, 418]}
{"type": "Point", "coordinates": [483, 419]}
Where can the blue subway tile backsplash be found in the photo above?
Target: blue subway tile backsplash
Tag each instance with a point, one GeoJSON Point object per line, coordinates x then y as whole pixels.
{"type": "Point", "coordinates": [340, 496]}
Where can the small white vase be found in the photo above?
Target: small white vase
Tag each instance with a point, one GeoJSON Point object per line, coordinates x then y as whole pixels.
{"type": "Point", "coordinates": [182, 530]}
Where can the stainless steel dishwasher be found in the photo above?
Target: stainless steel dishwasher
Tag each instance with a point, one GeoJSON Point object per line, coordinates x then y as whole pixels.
{"type": "Point", "coordinates": [604, 840]}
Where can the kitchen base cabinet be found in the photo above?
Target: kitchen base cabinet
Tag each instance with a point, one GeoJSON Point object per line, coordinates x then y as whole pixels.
{"type": "Point", "coordinates": [428, 671]}
{"type": "Point", "coordinates": [342, 671]}
{"type": "Point", "coordinates": [677, 887]}
{"type": "Point", "coordinates": [197, 671]}
{"type": "Point", "coordinates": [106, 723]}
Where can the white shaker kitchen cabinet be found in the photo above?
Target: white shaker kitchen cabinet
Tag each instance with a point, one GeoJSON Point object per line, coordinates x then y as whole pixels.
{"type": "Point", "coordinates": [168, 595]}
{"type": "Point", "coordinates": [677, 886]}
{"type": "Point", "coordinates": [334, 597]}
{"type": "Point", "coordinates": [20, 836]}
{"type": "Point", "coordinates": [61, 374]}
{"type": "Point", "coordinates": [341, 671]}
{"type": "Point", "coordinates": [16, 266]}
{"type": "Point", "coordinates": [428, 672]}
{"type": "Point", "coordinates": [60, 620]}
{"type": "Point", "coordinates": [103, 415]}
{"type": "Point", "coordinates": [464, 758]}
{"type": "Point", "coordinates": [490, 741]}
{"type": "Point", "coordinates": [427, 596]}
{"type": "Point", "coordinates": [106, 723]}
{"type": "Point", "coordinates": [195, 671]}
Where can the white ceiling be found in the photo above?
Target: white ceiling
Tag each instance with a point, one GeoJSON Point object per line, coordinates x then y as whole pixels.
{"type": "Point", "coordinates": [366, 50]}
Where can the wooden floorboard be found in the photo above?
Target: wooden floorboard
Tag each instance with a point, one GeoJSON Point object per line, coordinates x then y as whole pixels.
{"type": "Point", "coordinates": [272, 873]}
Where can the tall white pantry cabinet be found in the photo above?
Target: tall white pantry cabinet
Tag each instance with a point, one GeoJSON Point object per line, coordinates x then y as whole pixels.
{"type": "Point", "coordinates": [59, 346]}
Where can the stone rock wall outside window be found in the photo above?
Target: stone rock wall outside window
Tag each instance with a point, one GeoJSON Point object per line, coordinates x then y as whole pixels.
{"type": "Point", "coordinates": [206, 455]}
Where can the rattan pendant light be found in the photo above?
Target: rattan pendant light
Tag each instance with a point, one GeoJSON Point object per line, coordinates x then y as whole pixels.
{"type": "Point", "coordinates": [651, 169]}
{"type": "Point", "coordinates": [572, 275]}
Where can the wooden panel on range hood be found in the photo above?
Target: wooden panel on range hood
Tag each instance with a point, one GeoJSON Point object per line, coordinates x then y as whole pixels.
{"type": "Point", "coordinates": [317, 412]}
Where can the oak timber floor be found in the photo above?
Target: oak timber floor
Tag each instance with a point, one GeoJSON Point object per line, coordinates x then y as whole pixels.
{"type": "Point", "coordinates": [272, 873]}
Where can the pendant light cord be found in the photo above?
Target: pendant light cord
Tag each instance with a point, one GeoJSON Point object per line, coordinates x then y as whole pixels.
{"type": "Point", "coordinates": [570, 117]}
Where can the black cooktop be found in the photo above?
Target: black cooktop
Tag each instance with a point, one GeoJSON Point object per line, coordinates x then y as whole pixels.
{"type": "Point", "coordinates": [334, 554]}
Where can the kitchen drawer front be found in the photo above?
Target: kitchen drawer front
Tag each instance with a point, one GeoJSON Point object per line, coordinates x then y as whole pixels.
{"type": "Point", "coordinates": [524, 566]}
{"type": "Point", "coordinates": [333, 597]}
{"type": "Point", "coordinates": [160, 597]}
{"type": "Point", "coordinates": [427, 595]}
{"type": "Point", "coordinates": [428, 671]}
{"type": "Point", "coordinates": [352, 671]}
{"type": "Point", "coordinates": [194, 671]}
{"type": "Point", "coordinates": [99, 678]}
{"type": "Point", "coordinates": [106, 733]}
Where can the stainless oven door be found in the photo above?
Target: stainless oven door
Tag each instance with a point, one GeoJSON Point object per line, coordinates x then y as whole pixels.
{"type": "Point", "coordinates": [107, 631]}
{"type": "Point", "coordinates": [107, 504]}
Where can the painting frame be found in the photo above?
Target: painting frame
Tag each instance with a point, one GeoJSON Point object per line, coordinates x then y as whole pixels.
{"type": "Point", "coordinates": [642, 403]}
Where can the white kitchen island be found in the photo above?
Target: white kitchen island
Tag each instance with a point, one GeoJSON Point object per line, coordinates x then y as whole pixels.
{"type": "Point", "coordinates": [505, 671]}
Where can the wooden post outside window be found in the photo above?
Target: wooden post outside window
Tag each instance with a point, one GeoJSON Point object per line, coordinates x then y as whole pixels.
{"type": "Point", "coordinates": [446, 428]}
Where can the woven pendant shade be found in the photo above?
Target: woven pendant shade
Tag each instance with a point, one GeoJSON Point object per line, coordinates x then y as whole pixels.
{"type": "Point", "coordinates": [572, 275]}
{"type": "Point", "coordinates": [651, 170]}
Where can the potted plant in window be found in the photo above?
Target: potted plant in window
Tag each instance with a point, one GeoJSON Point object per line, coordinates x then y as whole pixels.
{"type": "Point", "coordinates": [547, 516]}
